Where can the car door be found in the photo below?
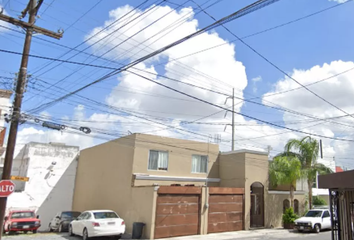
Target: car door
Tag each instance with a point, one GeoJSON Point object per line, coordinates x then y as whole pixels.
{"type": "Point", "coordinates": [87, 223]}
{"type": "Point", "coordinates": [76, 224]}
{"type": "Point", "coordinates": [326, 220]}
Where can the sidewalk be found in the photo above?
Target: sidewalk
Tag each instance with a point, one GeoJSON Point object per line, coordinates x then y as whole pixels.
{"type": "Point", "coordinates": [234, 235]}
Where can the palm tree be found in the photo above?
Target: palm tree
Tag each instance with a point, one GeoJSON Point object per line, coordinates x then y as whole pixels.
{"type": "Point", "coordinates": [306, 150]}
{"type": "Point", "coordinates": [285, 170]}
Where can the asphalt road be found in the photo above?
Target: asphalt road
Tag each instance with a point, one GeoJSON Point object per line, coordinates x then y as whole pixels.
{"type": "Point", "coordinates": [290, 236]}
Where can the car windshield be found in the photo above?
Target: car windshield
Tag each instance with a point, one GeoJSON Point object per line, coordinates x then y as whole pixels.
{"type": "Point", "coordinates": [102, 215]}
{"type": "Point", "coordinates": [17, 215]}
{"type": "Point", "coordinates": [70, 214]}
{"type": "Point", "coordinates": [313, 214]}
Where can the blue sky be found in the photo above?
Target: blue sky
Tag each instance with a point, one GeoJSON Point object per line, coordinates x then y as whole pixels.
{"type": "Point", "coordinates": [316, 40]}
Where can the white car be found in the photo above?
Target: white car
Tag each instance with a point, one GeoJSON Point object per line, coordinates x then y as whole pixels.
{"type": "Point", "coordinates": [314, 220]}
{"type": "Point", "coordinates": [98, 223]}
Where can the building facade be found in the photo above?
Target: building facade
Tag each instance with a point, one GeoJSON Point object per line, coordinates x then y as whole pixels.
{"type": "Point", "coordinates": [179, 187]}
{"type": "Point", "coordinates": [51, 169]}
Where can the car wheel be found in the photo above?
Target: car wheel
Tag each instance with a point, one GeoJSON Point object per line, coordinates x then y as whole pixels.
{"type": "Point", "coordinates": [25, 232]}
{"type": "Point", "coordinates": [34, 231]}
{"type": "Point", "coordinates": [85, 235]}
{"type": "Point", "coordinates": [71, 231]}
{"type": "Point", "coordinates": [300, 231]}
{"type": "Point", "coordinates": [317, 228]}
{"type": "Point", "coordinates": [9, 231]}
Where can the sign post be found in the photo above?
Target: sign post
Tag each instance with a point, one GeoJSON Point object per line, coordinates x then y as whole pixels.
{"type": "Point", "coordinates": [6, 188]}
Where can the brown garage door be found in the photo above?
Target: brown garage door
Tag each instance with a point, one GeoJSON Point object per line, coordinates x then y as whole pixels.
{"type": "Point", "coordinates": [225, 210]}
{"type": "Point", "coordinates": [177, 212]}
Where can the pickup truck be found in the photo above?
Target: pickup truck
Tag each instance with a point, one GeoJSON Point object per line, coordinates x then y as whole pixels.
{"type": "Point", "coordinates": [21, 220]}
{"type": "Point", "coordinates": [314, 220]}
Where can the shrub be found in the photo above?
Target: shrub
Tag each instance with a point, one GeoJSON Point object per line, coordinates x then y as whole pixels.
{"type": "Point", "coordinates": [317, 201]}
{"type": "Point", "coordinates": [289, 216]}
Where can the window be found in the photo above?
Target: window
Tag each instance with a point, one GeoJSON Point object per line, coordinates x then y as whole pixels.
{"type": "Point", "coordinates": [17, 215]}
{"type": "Point", "coordinates": [158, 160]}
{"type": "Point", "coordinates": [199, 164]}
{"type": "Point", "coordinates": [102, 215]}
{"type": "Point", "coordinates": [326, 214]}
{"type": "Point", "coordinates": [286, 205]}
{"type": "Point", "coordinates": [296, 206]}
{"type": "Point", "coordinates": [313, 213]}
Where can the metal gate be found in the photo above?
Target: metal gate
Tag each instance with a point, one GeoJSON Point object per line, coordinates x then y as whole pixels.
{"type": "Point", "coordinates": [177, 212]}
{"type": "Point", "coordinates": [226, 209]}
{"type": "Point", "coordinates": [342, 208]}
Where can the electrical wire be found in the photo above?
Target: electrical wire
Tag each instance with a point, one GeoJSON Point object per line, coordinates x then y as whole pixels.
{"type": "Point", "coordinates": [186, 83]}
{"type": "Point", "coordinates": [244, 115]}
{"type": "Point", "coordinates": [255, 6]}
{"type": "Point", "coordinates": [277, 67]}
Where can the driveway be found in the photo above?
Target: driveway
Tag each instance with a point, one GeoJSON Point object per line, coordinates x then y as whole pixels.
{"type": "Point", "coordinates": [249, 235]}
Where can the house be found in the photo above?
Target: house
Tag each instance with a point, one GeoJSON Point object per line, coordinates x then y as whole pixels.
{"type": "Point", "coordinates": [179, 187]}
{"type": "Point", "coordinates": [341, 193]}
{"type": "Point", "coordinates": [51, 169]}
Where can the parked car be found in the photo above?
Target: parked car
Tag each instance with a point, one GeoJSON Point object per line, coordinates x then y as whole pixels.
{"type": "Point", "coordinates": [62, 220]}
{"type": "Point", "coordinates": [21, 220]}
{"type": "Point", "coordinates": [314, 220]}
{"type": "Point", "coordinates": [98, 223]}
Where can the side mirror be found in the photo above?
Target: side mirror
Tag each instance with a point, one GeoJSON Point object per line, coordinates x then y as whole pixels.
{"type": "Point", "coordinates": [6, 218]}
{"type": "Point", "coordinates": [58, 217]}
{"type": "Point", "coordinates": [37, 216]}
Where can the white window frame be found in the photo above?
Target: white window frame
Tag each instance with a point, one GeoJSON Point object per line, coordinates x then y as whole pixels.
{"type": "Point", "coordinates": [165, 170]}
{"type": "Point", "coordinates": [207, 163]}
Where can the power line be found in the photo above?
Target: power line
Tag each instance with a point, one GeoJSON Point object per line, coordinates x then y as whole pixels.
{"type": "Point", "coordinates": [250, 8]}
{"type": "Point", "coordinates": [171, 60]}
{"type": "Point", "coordinates": [275, 66]}
{"type": "Point", "coordinates": [244, 115]}
{"type": "Point", "coordinates": [186, 83]}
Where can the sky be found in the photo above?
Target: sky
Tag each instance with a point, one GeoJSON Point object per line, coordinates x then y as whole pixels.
{"type": "Point", "coordinates": [284, 47]}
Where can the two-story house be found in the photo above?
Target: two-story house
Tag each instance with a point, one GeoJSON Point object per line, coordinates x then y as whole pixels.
{"type": "Point", "coordinates": [178, 187]}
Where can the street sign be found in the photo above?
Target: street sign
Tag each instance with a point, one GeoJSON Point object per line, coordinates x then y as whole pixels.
{"type": "Point", "coordinates": [6, 188]}
{"type": "Point", "coordinates": [19, 178]}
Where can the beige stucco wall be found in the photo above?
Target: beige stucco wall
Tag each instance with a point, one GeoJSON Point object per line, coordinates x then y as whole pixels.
{"type": "Point", "coordinates": [274, 207]}
{"type": "Point", "coordinates": [103, 181]}
{"type": "Point", "coordinates": [232, 170]}
{"type": "Point", "coordinates": [179, 158]}
{"type": "Point", "coordinates": [256, 170]}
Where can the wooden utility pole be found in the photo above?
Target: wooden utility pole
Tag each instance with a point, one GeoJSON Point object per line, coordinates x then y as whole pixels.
{"type": "Point", "coordinates": [32, 10]}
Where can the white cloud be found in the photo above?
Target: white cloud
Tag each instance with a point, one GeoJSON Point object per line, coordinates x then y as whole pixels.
{"type": "Point", "coordinates": [337, 90]}
{"type": "Point", "coordinates": [205, 69]}
{"type": "Point", "coordinates": [255, 81]}
{"type": "Point", "coordinates": [338, 1]}
{"type": "Point", "coordinates": [2, 23]}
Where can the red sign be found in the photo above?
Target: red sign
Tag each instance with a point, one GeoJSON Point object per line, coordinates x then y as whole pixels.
{"type": "Point", "coordinates": [6, 188]}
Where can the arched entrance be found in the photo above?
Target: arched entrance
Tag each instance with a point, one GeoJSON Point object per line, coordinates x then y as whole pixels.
{"type": "Point", "coordinates": [257, 205]}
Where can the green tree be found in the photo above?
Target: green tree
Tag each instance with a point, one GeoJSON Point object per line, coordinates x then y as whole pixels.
{"type": "Point", "coordinates": [285, 170]}
{"type": "Point", "coordinates": [306, 150]}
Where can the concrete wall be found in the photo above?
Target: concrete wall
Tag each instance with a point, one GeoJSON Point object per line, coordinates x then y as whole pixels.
{"type": "Point", "coordinates": [274, 207]}
{"type": "Point", "coordinates": [50, 187]}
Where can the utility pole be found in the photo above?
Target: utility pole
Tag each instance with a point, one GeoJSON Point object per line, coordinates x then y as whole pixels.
{"type": "Point", "coordinates": [232, 119]}
{"type": "Point", "coordinates": [32, 10]}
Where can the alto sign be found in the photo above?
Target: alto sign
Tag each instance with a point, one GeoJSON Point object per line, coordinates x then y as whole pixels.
{"type": "Point", "coordinates": [6, 188]}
